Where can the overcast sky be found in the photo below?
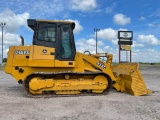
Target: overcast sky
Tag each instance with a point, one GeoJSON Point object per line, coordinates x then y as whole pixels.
{"type": "Point", "coordinates": [140, 16]}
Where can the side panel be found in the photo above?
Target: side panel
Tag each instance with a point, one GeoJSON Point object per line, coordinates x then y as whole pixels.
{"type": "Point", "coordinates": [28, 70]}
{"type": "Point", "coordinates": [24, 60]}
{"type": "Point", "coordinates": [20, 54]}
{"type": "Point", "coordinates": [41, 56]}
{"type": "Point", "coordinates": [43, 53]}
{"type": "Point", "coordinates": [9, 64]}
{"type": "Point", "coordinates": [64, 63]}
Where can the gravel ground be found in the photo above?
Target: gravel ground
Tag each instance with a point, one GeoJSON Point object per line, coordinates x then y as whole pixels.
{"type": "Point", "coordinates": [15, 105]}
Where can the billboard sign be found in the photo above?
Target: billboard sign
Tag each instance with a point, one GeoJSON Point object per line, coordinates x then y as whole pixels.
{"type": "Point", "coordinates": [127, 35]}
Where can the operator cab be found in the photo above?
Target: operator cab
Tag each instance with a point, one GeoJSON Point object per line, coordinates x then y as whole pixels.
{"type": "Point", "coordinates": [55, 34]}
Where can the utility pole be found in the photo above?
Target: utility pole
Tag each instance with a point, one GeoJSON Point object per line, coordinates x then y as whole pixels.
{"type": "Point", "coordinates": [96, 30]}
{"type": "Point", "coordinates": [2, 25]}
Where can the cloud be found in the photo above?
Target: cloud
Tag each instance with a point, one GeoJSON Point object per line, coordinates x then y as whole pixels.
{"type": "Point", "coordinates": [151, 25]}
{"type": "Point", "coordinates": [78, 27]}
{"type": "Point", "coordinates": [86, 45]}
{"type": "Point", "coordinates": [142, 18]}
{"type": "Point", "coordinates": [107, 34]}
{"type": "Point", "coordinates": [121, 19]}
{"type": "Point", "coordinates": [13, 21]}
{"type": "Point", "coordinates": [9, 39]}
{"type": "Point", "coordinates": [148, 39]}
{"type": "Point", "coordinates": [156, 13]}
{"type": "Point", "coordinates": [83, 5]}
{"type": "Point", "coordinates": [110, 9]}
{"type": "Point", "coordinates": [42, 8]}
{"type": "Point", "coordinates": [115, 42]}
{"type": "Point", "coordinates": [155, 26]}
{"type": "Point", "coordinates": [89, 45]}
{"type": "Point", "coordinates": [135, 44]}
{"type": "Point", "coordinates": [139, 55]}
{"type": "Point", "coordinates": [50, 8]}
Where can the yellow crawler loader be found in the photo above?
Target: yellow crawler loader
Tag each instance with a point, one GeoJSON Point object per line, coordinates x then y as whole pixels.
{"type": "Point", "coordinates": [51, 65]}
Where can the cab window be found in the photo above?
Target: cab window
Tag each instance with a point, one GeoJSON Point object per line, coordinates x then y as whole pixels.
{"type": "Point", "coordinates": [47, 32]}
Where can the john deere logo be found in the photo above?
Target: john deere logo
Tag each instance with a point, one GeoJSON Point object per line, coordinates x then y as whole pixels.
{"type": "Point", "coordinates": [44, 51]}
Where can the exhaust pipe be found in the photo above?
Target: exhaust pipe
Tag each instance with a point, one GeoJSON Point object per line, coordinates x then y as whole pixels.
{"type": "Point", "coordinates": [22, 40]}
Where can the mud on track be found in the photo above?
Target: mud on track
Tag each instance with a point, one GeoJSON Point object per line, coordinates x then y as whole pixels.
{"type": "Point", "coordinates": [15, 105]}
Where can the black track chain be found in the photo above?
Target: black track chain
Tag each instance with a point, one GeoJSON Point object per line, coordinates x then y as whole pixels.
{"type": "Point", "coordinates": [52, 75]}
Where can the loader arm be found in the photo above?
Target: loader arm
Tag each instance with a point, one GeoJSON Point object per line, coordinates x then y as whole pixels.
{"type": "Point", "coordinates": [104, 66]}
{"type": "Point", "coordinates": [125, 77]}
{"type": "Point", "coordinates": [99, 65]}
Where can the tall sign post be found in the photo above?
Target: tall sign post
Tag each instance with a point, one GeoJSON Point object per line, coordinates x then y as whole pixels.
{"type": "Point", "coordinates": [96, 30]}
{"type": "Point", "coordinates": [125, 42]}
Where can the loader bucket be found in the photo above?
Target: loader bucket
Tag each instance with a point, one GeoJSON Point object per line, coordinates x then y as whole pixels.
{"type": "Point", "coordinates": [130, 79]}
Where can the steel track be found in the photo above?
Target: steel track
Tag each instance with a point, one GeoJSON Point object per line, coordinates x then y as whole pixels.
{"type": "Point", "coordinates": [52, 75]}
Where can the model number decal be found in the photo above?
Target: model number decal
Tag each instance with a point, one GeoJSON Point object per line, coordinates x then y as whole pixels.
{"type": "Point", "coordinates": [101, 65]}
{"type": "Point", "coordinates": [19, 52]}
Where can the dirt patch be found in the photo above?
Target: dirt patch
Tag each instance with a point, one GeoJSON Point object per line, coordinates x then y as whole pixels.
{"type": "Point", "coordinates": [15, 105]}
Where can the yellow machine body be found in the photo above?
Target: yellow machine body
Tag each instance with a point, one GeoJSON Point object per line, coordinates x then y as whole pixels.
{"type": "Point", "coordinates": [52, 66]}
{"type": "Point", "coordinates": [36, 61]}
{"type": "Point", "coordinates": [25, 60]}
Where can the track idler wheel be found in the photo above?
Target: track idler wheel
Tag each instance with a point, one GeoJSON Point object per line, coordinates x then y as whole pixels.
{"type": "Point", "coordinates": [101, 82]}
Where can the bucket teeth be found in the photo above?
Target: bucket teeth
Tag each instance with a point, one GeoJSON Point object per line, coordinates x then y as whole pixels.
{"type": "Point", "coordinates": [130, 79]}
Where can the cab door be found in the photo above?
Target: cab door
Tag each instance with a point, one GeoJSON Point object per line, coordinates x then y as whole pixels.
{"type": "Point", "coordinates": [67, 44]}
